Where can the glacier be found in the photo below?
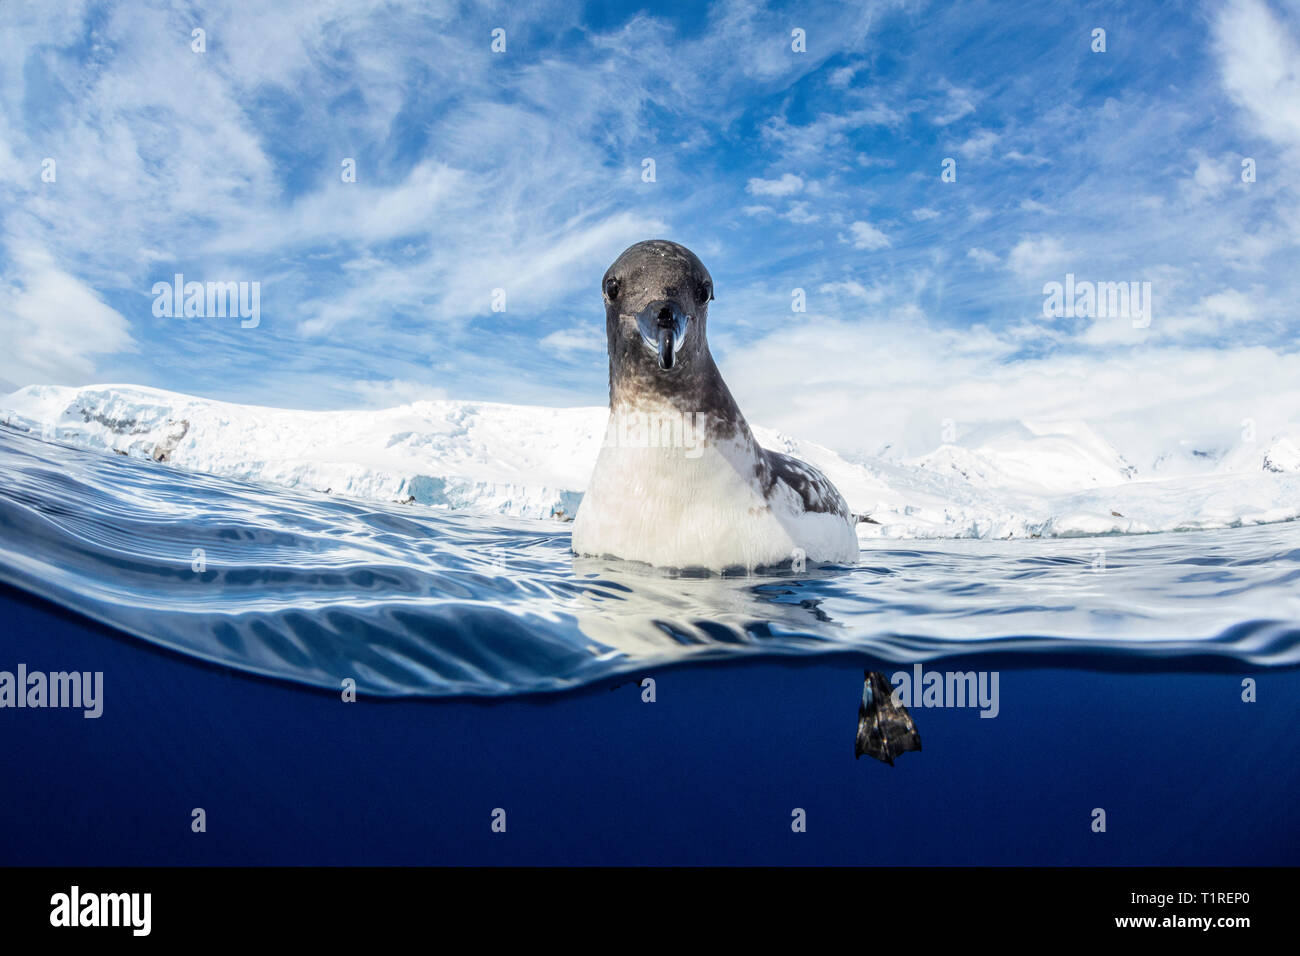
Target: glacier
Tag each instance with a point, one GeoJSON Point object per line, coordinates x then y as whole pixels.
{"type": "Point", "coordinates": [1008, 480]}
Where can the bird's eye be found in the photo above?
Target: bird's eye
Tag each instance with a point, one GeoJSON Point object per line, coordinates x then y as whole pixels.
{"type": "Point", "coordinates": [611, 289]}
{"type": "Point", "coordinates": [706, 291]}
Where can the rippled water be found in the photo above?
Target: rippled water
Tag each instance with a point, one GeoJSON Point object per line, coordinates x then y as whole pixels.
{"type": "Point", "coordinates": [409, 601]}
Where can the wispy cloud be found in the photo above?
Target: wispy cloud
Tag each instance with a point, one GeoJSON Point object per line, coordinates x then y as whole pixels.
{"type": "Point", "coordinates": [1259, 53]}
{"type": "Point", "coordinates": [866, 236]}
{"type": "Point", "coordinates": [787, 185]}
{"type": "Point", "coordinates": [53, 325]}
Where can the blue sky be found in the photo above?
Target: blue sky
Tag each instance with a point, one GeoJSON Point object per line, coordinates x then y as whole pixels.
{"type": "Point", "coordinates": [522, 170]}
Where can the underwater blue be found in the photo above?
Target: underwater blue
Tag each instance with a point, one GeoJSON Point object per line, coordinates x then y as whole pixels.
{"type": "Point", "coordinates": [493, 673]}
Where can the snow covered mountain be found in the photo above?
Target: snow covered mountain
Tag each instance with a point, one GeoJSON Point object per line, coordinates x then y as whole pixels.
{"type": "Point", "coordinates": [1014, 480]}
{"type": "Point", "coordinates": [1038, 457]}
{"type": "Point", "coordinates": [503, 459]}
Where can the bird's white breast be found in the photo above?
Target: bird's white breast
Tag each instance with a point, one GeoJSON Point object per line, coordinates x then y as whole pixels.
{"type": "Point", "coordinates": [698, 502]}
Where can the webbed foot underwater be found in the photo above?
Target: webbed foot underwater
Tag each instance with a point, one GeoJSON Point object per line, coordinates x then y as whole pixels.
{"type": "Point", "coordinates": [885, 728]}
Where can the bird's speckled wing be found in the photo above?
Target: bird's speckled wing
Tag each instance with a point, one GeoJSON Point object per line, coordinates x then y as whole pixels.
{"type": "Point", "coordinates": [808, 483]}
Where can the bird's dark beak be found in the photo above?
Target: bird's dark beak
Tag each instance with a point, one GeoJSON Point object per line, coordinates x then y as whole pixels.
{"type": "Point", "coordinates": [663, 327]}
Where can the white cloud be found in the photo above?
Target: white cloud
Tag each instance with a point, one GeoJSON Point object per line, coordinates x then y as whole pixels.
{"type": "Point", "coordinates": [1211, 176]}
{"type": "Point", "coordinates": [1231, 305]}
{"type": "Point", "coordinates": [828, 130]}
{"type": "Point", "coordinates": [1258, 57]}
{"type": "Point", "coordinates": [353, 212]}
{"type": "Point", "coordinates": [53, 325]}
{"type": "Point", "coordinates": [800, 215]}
{"type": "Point", "coordinates": [979, 145]}
{"type": "Point", "coordinates": [1029, 159]}
{"type": "Point", "coordinates": [872, 295]}
{"type": "Point", "coordinates": [841, 77]}
{"type": "Point", "coordinates": [787, 185]}
{"type": "Point", "coordinates": [982, 257]}
{"type": "Point", "coordinates": [871, 162]}
{"type": "Point", "coordinates": [574, 340]}
{"type": "Point", "coordinates": [534, 271]}
{"type": "Point", "coordinates": [959, 102]}
{"type": "Point", "coordinates": [1036, 256]}
{"type": "Point", "coordinates": [867, 236]}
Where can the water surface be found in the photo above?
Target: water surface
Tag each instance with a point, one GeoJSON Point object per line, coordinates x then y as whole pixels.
{"type": "Point", "coordinates": [411, 601]}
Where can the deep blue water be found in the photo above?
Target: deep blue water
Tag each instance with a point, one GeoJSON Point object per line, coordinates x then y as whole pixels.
{"type": "Point", "coordinates": [1119, 689]}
